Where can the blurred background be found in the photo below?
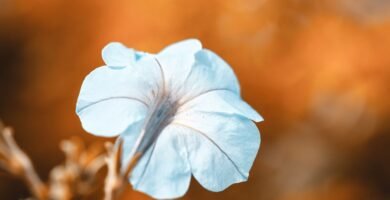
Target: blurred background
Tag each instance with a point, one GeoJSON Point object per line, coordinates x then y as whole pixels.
{"type": "Point", "coordinates": [317, 70]}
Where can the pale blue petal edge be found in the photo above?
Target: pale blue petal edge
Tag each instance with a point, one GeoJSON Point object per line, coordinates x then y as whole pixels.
{"type": "Point", "coordinates": [112, 117]}
{"type": "Point", "coordinates": [220, 101]}
{"type": "Point", "coordinates": [115, 54]}
{"type": "Point", "coordinates": [222, 148]}
{"type": "Point", "coordinates": [176, 62]}
{"type": "Point", "coordinates": [164, 172]}
{"type": "Point", "coordinates": [188, 46]}
{"type": "Point", "coordinates": [111, 99]}
{"type": "Point", "coordinates": [208, 73]}
{"type": "Point", "coordinates": [224, 75]}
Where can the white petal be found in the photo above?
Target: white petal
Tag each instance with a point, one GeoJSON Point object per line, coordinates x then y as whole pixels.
{"type": "Point", "coordinates": [221, 148]}
{"type": "Point", "coordinates": [116, 54]}
{"type": "Point", "coordinates": [176, 61]}
{"type": "Point", "coordinates": [190, 71]}
{"type": "Point", "coordinates": [111, 117]}
{"type": "Point", "coordinates": [102, 105]}
{"type": "Point", "coordinates": [189, 46]}
{"type": "Point", "coordinates": [221, 101]}
{"type": "Point", "coordinates": [129, 139]}
{"type": "Point", "coordinates": [209, 73]}
{"type": "Point", "coordinates": [164, 172]}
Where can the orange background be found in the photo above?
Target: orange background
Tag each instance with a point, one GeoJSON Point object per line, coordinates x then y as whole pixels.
{"type": "Point", "coordinates": [317, 70]}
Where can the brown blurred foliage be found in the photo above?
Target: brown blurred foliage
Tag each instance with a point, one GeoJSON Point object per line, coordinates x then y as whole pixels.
{"type": "Point", "coordinates": [317, 70]}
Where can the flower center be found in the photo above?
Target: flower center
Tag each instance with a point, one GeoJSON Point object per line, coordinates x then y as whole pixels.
{"type": "Point", "coordinates": [160, 116]}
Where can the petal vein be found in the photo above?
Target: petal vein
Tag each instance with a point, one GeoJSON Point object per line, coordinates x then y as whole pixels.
{"type": "Point", "coordinates": [111, 98]}
{"type": "Point", "coordinates": [212, 141]}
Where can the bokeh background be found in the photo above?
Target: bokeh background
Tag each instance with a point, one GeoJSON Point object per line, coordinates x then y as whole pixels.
{"type": "Point", "coordinates": [317, 70]}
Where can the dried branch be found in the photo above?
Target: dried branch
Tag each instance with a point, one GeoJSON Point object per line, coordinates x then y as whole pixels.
{"type": "Point", "coordinates": [113, 180]}
{"type": "Point", "coordinates": [74, 179]}
{"type": "Point", "coordinates": [117, 177]}
{"type": "Point", "coordinates": [16, 162]}
{"type": "Point", "coordinates": [77, 176]}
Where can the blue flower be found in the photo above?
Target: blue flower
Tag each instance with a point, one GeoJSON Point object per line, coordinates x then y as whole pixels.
{"type": "Point", "coordinates": [180, 108]}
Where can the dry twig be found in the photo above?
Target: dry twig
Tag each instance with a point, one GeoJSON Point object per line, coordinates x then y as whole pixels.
{"type": "Point", "coordinates": [16, 162]}
{"type": "Point", "coordinates": [117, 177]}
{"type": "Point", "coordinates": [76, 178]}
